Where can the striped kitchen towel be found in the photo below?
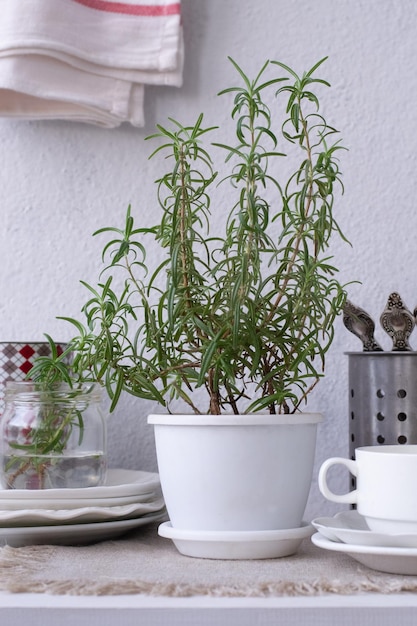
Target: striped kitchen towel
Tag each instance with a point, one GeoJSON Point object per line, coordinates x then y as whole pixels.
{"type": "Point", "coordinates": [86, 60]}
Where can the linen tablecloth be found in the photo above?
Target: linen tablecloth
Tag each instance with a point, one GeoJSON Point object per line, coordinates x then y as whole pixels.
{"type": "Point", "coordinates": [141, 562]}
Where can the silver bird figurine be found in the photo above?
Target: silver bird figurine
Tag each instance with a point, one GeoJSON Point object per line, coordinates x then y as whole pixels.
{"type": "Point", "coordinates": [361, 324]}
{"type": "Point", "coordinates": [398, 322]}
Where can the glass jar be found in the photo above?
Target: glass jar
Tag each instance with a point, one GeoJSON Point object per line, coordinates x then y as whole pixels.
{"type": "Point", "coordinates": [52, 438]}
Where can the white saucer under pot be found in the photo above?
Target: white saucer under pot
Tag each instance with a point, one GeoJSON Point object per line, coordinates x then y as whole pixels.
{"type": "Point", "coordinates": [235, 473]}
{"type": "Point", "coordinates": [265, 544]}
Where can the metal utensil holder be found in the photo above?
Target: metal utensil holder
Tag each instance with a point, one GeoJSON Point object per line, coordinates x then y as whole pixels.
{"type": "Point", "coordinates": [382, 399]}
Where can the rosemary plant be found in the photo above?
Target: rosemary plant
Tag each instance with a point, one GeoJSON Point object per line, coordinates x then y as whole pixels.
{"type": "Point", "coordinates": [248, 313]}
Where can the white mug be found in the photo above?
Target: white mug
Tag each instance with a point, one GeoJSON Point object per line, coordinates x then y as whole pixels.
{"type": "Point", "coordinates": [386, 486]}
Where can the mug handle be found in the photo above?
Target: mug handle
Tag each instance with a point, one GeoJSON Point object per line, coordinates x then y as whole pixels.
{"type": "Point", "coordinates": [346, 498]}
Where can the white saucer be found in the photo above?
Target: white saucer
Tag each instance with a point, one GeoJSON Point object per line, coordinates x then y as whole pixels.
{"type": "Point", "coordinates": [385, 559]}
{"type": "Point", "coordinates": [350, 527]}
{"type": "Point", "coordinates": [266, 544]}
{"type": "Point", "coordinates": [73, 534]}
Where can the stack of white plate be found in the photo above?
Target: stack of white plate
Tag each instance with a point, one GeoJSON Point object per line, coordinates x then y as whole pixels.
{"type": "Point", "coordinates": [348, 532]}
{"type": "Point", "coordinates": [127, 500]}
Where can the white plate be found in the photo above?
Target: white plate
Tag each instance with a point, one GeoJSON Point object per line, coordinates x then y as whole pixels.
{"type": "Point", "coordinates": [73, 534]}
{"type": "Point", "coordinates": [43, 517]}
{"type": "Point", "coordinates": [266, 544]}
{"type": "Point", "coordinates": [350, 527]}
{"type": "Point", "coordinates": [390, 560]}
{"type": "Point", "coordinates": [119, 483]}
{"type": "Point", "coordinates": [74, 503]}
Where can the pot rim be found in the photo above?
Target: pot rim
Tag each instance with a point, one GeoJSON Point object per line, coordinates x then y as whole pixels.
{"type": "Point", "coordinates": [252, 419]}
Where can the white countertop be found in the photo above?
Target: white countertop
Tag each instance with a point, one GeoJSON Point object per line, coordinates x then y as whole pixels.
{"type": "Point", "coordinates": [329, 610]}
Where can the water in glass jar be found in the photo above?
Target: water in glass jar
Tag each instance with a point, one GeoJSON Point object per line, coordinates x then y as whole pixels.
{"type": "Point", "coordinates": [54, 471]}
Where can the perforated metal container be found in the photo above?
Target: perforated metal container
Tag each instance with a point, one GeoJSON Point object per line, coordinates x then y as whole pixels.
{"type": "Point", "coordinates": [382, 398]}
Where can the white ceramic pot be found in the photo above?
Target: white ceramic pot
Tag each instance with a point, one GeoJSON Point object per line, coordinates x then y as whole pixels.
{"type": "Point", "coordinates": [235, 473]}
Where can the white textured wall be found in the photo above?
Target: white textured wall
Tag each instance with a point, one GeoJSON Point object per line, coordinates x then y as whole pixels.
{"type": "Point", "coordinates": [61, 181]}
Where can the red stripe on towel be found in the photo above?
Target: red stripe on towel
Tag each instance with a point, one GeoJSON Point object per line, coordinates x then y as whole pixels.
{"type": "Point", "coordinates": [132, 9]}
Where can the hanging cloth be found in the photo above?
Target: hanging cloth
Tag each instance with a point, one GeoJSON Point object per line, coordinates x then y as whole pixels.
{"type": "Point", "coordinates": [86, 60]}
